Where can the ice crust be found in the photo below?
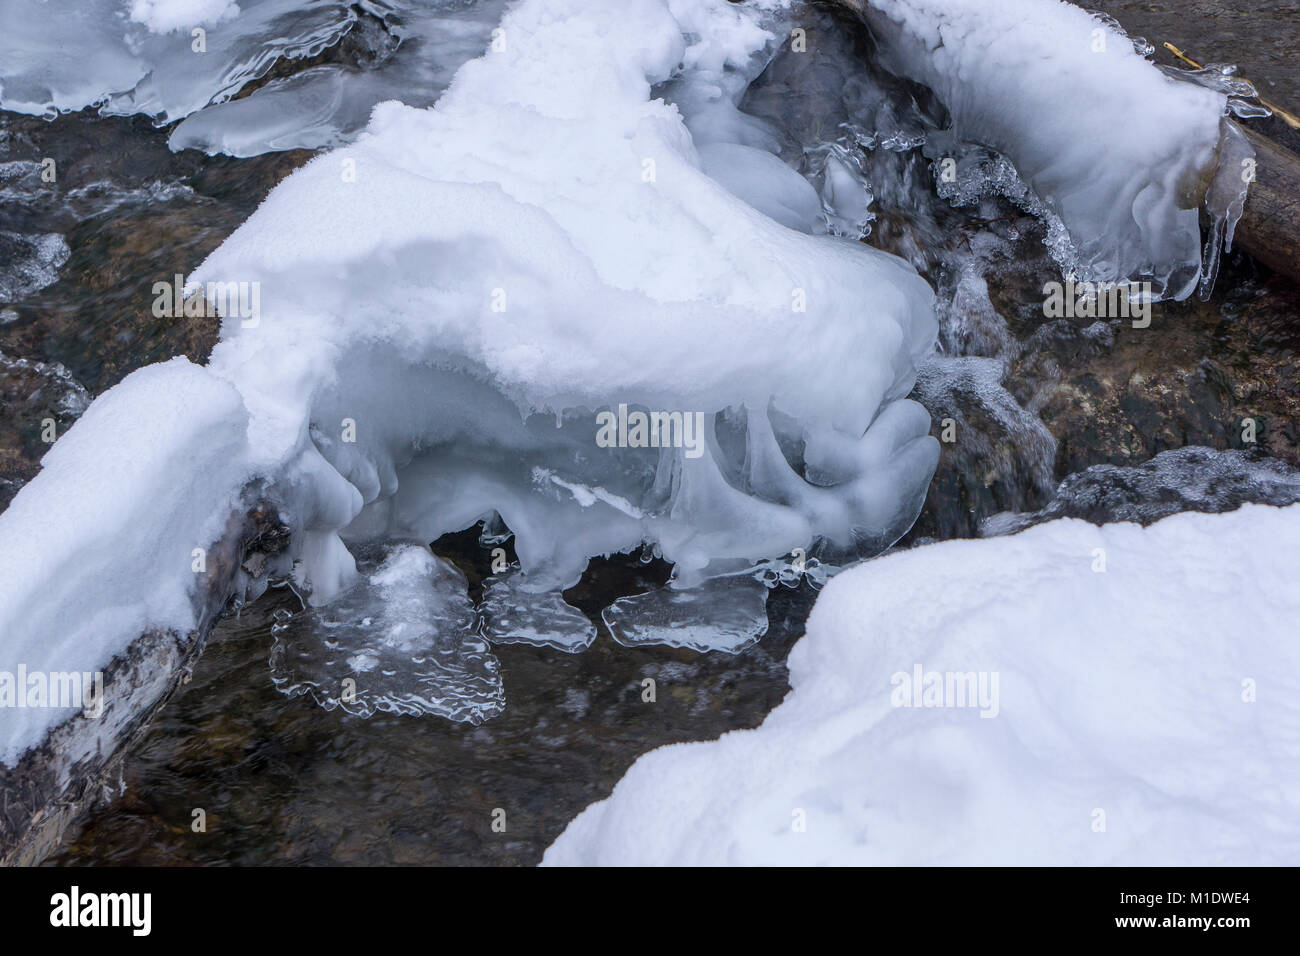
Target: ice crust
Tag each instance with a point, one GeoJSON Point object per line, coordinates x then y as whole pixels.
{"type": "Point", "coordinates": [1158, 700]}
{"type": "Point", "coordinates": [404, 636]}
{"type": "Point", "coordinates": [410, 56]}
{"type": "Point", "coordinates": [139, 56]}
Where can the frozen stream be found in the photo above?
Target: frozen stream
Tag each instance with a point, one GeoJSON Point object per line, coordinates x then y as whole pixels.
{"type": "Point", "coordinates": [284, 780]}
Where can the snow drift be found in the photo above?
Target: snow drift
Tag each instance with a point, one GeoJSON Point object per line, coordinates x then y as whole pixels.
{"type": "Point", "coordinates": [1144, 714]}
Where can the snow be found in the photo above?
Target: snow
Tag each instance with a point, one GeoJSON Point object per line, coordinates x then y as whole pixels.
{"type": "Point", "coordinates": [166, 16]}
{"type": "Point", "coordinates": [471, 284]}
{"type": "Point", "coordinates": [1147, 714]}
{"type": "Point", "coordinates": [448, 303]}
{"type": "Point", "coordinates": [99, 547]}
{"type": "Point", "coordinates": [1116, 149]}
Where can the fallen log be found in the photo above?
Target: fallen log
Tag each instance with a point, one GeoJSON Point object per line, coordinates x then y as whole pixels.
{"type": "Point", "coordinates": [80, 759]}
{"type": "Point", "coordinates": [1269, 229]}
{"type": "Point", "coordinates": [1270, 225]}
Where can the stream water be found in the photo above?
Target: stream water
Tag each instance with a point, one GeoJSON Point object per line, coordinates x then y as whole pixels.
{"type": "Point", "coordinates": [282, 781]}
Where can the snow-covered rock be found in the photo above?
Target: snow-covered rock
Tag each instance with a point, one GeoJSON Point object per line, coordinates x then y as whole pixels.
{"type": "Point", "coordinates": [1112, 695]}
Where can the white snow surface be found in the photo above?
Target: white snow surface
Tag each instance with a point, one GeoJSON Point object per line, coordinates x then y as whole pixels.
{"type": "Point", "coordinates": [1119, 151]}
{"type": "Point", "coordinates": [165, 16]}
{"type": "Point", "coordinates": [462, 280]}
{"type": "Point", "coordinates": [99, 547]}
{"type": "Point", "coordinates": [1147, 714]}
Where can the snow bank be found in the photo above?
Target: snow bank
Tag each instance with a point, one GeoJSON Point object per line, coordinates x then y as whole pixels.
{"type": "Point", "coordinates": [100, 546]}
{"type": "Point", "coordinates": [1144, 714]}
{"type": "Point", "coordinates": [1121, 153]}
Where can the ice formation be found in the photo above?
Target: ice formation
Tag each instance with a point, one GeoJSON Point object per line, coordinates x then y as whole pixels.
{"type": "Point", "coordinates": [447, 304]}
{"type": "Point", "coordinates": [401, 640]}
{"type": "Point", "coordinates": [28, 263]}
{"type": "Point", "coordinates": [1119, 154]}
{"type": "Point", "coordinates": [142, 56]}
{"type": "Point", "coordinates": [585, 220]}
{"type": "Point", "coordinates": [471, 285]}
{"type": "Point", "coordinates": [1156, 721]}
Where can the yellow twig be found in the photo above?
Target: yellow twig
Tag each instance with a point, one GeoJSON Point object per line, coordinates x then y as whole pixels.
{"type": "Point", "coordinates": [1288, 118]}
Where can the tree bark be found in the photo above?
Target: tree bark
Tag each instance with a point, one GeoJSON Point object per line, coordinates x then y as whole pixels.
{"type": "Point", "coordinates": [1270, 224]}
{"type": "Point", "coordinates": [81, 759]}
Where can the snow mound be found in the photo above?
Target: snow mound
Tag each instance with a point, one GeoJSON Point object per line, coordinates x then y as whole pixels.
{"type": "Point", "coordinates": [1147, 714]}
{"type": "Point", "coordinates": [451, 304]}
{"type": "Point", "coordinates": [441, 313]}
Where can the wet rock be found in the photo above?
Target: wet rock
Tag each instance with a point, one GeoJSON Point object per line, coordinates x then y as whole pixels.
{"type": "Point", "coordinates": [28, 263]}
{"type": "Point", "coordinates": [1223, 374]}
{"type": "Point", "coordinates": [994, 455]}
{"type": "Point", "coordinates": [38, 401]}
{"type": "Point", "coordinates": [79, 256]}
{"type": "Point", "coordinates": [130, 213]}
{"type": "Point", "coordinates": [1186, 479]}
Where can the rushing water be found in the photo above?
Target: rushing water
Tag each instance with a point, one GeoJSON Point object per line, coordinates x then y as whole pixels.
{"type": "Point", "coordinates": [281, 780]}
